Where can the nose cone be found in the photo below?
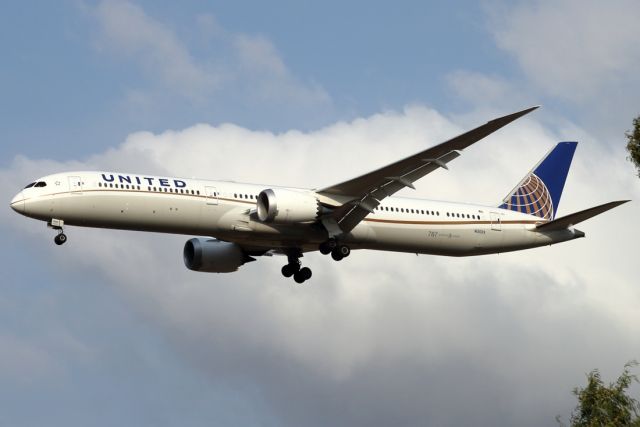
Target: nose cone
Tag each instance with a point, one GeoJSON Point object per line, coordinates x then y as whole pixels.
{"type": "Point", "coordinates": [17, 203]}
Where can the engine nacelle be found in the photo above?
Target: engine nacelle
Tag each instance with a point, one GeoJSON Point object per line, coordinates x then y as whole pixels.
{"type": "Point", "coordinates": [213, 256]}
{"type": "Point", "coordinates": [282, 206]}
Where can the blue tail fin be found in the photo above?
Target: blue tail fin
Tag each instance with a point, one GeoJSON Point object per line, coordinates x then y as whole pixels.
{"type": "Point", "coordinates": [539, 192]}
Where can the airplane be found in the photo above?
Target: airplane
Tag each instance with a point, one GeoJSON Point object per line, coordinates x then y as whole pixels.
{"type": "Point", "coordinates": [245, 221]}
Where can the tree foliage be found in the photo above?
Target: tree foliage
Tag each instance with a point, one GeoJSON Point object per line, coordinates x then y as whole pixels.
{"type": "Point", "coordinates": [633, 143]}
{"type": "Point", "coordinates": [607, 405]}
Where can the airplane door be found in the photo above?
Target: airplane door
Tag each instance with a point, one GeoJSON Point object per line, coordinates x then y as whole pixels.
{"type": "Point", "coordinates": [496, 223]}
{"type": "Point", "coordinates": [212, 195]}
{"type": "Point", "coordinates": [75, 184]}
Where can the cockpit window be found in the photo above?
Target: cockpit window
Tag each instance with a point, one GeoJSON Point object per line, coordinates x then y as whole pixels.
{"type": "Point", "coordinates": [30, 185]}
{"type": "Point", "coordinates": [40, 184]}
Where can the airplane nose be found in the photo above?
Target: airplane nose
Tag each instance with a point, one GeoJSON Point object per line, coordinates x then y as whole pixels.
{"type": "Point", "coordinates": [17, 203]}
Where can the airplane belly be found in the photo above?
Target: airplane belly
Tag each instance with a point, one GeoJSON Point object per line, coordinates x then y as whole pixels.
{"type": "Point", "coordinates": [133, 211]}
{"type": "Point", "coordinates": [427, 239]}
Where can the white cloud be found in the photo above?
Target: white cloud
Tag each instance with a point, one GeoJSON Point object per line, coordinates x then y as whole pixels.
{"type": "Point", "coordinates": [573, 49]}
{"type": "Point", "coordinates": [482, 89]}
{"type": "Point", "coordinates": [269, 76]}
{"type": "Point", "coordinates": [127, 29]}
{"type": "Point", "coordinates": [379, 338]}
{"type": "Point", "coordinates": [233, 62]}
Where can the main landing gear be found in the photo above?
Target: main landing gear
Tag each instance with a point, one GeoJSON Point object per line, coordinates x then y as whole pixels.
{"type": "Point", "coordinates": [337, 251]}
{"type": "Point", "coordinates": [57, 224]}
{"type": "Point", "coordinates": [293, 268]}
{"type": "Point", "coordinates": [301, 274]}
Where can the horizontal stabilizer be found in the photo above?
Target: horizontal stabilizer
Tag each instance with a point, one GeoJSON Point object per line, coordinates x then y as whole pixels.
{"type": "Point", "coordinates": [575, 218]}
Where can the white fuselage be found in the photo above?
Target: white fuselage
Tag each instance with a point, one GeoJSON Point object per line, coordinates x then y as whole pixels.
{"type": "Point", "coordinates": [226, 210]}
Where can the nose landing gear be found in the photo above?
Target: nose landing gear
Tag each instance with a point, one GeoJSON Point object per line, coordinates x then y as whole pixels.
{"type": "Point", "coordinates": [60, 238]}
{"type": "Point", "coordinates": [57, 224]}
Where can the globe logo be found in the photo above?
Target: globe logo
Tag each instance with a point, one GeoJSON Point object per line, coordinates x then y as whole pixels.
{"type": "Point", "coordinates": [533, 198]}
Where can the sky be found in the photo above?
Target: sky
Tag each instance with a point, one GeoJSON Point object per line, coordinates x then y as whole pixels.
{"type": "Point", "coordinates": [111, 328]}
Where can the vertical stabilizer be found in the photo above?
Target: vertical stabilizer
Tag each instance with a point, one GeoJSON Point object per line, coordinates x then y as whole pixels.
{"type": "Point", "coordinates": [539, 191]}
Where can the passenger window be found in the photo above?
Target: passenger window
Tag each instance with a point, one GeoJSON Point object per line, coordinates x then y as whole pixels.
{"type": "Point", "coordinates": [198, 192]}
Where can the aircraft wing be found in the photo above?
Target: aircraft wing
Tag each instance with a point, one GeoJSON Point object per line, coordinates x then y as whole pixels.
{"type": "Point", "coordinates": [367, 191]}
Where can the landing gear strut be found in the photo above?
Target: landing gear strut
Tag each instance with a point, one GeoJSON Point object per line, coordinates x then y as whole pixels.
{"type": "Point", "coordinates": [57, 224]}
{"type": "Point", "coordinates": [337, 251]}
{"type": "Point", "coordinates": [293, 268]}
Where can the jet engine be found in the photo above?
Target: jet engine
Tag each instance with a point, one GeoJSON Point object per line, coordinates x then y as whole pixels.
{"type": "Point", "coordinates": [282, 206]}
{"type": "Point", "coordinates": [213, 256]}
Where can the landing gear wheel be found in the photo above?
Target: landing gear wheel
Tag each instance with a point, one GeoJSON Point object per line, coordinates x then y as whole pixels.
{"type": "Point", "coordinates": [344, 250]}
{"type": "Point", "coordinates": [290, 269]}
{"type": "Point", "coordinates": [328, 246]}
{"type": "Point", "coordinates": [341, 251]}
{"type": "Point", "coordinates": [60, 239]}
{"type": "Point", "coordinates": [302, 275]}
{"type": "Point", "coordinates": [306, 273]}
{"type": "Point", "coordinates": [324, 248]}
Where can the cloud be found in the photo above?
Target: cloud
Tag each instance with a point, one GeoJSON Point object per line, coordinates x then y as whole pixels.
{"type": "Point", "coordinates": [577, 50]}
{"type": "Point", "coordinates": [379, 338]}
{"type": "Point", "coordinates": [230, 63]}
{"type": "Point", "coordinates": [481, 89]}
{"type": "Point", "coordinates": [127, 29]}
{"type": "Point", "coordinates": [270, 77]}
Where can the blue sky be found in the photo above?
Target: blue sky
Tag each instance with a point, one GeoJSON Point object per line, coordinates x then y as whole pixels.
{"type": "Point", "coordinates": [112, 329]}
{"type": "Point", "coordinates": [367, 58]}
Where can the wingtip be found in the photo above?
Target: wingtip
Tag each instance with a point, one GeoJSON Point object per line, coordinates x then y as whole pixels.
{"type": "Point", "coordinates": [513, 116]}
{"type": "Point", "coordinates": [527, 110]}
